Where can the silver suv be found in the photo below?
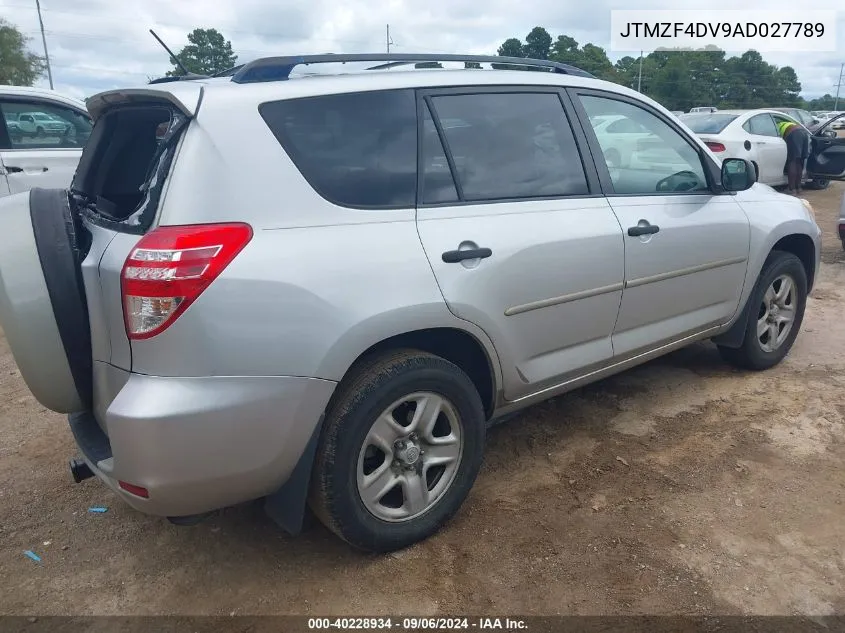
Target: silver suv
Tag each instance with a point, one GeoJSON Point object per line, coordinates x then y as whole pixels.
{"type": "Point", "coordinates": [327, 302]}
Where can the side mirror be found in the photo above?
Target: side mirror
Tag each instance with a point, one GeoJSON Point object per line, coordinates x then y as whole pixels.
{"type": "Point", "coordinates": [738, 174]}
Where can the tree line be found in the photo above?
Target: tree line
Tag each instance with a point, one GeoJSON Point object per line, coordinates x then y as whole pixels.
{"type": "Point", "coordinates": [679, 80]}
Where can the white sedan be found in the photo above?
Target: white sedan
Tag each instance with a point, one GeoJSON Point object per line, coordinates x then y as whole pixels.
{"type": "Point", "coordinates": [41, 138]}
{"type": "Point", "coordinates": [621, 138]}
{"type": "Point", "coordinates": [750, 134]}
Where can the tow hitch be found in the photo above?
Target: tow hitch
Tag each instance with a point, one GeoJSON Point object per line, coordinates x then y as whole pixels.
{"type": "Point", "coordinates": [80, 470]}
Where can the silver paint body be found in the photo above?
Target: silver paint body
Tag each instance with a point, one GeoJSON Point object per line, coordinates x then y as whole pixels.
{"type": "Point", "coordinates": [218, 408]}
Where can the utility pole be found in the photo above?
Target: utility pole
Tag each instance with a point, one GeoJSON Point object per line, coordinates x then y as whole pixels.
{"type": "Point", "coordinates": [388, 39]}
{"type": "Point", "coordinates": [838, 86]}
{"type": "Point", "coordinates": [640, 75]}
{"type": "Point", "coordinates": [44, 40]}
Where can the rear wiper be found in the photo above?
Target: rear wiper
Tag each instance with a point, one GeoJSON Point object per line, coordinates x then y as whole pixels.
{"type": "Point", "coordinates": [80, 197]}
{"type": "Point", "coordinates": [83, 202]}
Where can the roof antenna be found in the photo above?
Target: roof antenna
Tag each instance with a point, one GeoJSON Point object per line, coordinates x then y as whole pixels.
{"type": "Point", "coordinates": [172, 56]}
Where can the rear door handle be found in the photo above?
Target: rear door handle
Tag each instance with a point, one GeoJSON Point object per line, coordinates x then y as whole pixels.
{"type": "Point", "coordinates": [453, 257]}
{"type": "Point", "coordinates": [643, 229]}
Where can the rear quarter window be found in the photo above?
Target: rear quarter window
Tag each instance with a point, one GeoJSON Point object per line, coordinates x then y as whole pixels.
{"type": "Point", "coordinates": [356, 150]}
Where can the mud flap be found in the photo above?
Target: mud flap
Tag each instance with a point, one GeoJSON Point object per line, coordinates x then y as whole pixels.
{"type": "Point", "coordinates": [287, 507]}
{"type": "Point", "coordinates": [734, 337]}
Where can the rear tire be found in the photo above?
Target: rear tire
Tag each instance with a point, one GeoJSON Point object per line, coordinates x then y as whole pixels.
{"type": "Point", "coordinates": [777, 305]}
{"type": "Point", "coordinates": [384, 479]}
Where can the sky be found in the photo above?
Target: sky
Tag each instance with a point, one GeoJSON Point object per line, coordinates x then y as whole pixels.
{"type": "Point", "coordinates": [97, 45]}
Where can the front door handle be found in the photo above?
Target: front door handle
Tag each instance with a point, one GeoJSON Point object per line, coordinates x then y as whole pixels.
{"type": "Point", "coordinates": [13, 169]}
{"type": "Point", "coordinates": [453, 257]}
{"type": "Point", "coordinates": [643, 229]}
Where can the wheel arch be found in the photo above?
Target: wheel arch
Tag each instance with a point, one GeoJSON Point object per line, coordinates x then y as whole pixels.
{"type": "Point", "coordinates": [469, 350]}
{"type": "Point", "coordinates": [455, 345]}
{"type": "Point", "coordinates": [802, 246]}
{"type": "Point", "coordinates": [429, 327]}
{"type": "Point", "coordinates": [799, 244]}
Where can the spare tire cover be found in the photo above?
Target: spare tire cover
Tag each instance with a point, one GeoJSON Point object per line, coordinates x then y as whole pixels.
{"type": "Point", "coordinates": [42, 300]}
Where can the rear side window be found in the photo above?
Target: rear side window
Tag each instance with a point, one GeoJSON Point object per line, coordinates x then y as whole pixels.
{"type": "Point", "coordinates": [510, 145]}
{"type": "Point", "coordinates": [356, 150]}
{"type": "Point", "coordinates": [762, 125]}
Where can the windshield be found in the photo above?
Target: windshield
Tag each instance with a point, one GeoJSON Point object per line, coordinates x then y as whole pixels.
{"type": "Point", "coordinates": [41, 117]}
{"type": "Point", "coordinates": [711, 123]}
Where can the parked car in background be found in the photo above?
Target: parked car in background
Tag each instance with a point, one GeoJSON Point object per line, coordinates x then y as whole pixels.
{"type": "Point", "coordinates": [678, 112]}
{"type": "Point", "coordinates": [39, 125]}
{"type": "Point", "coordinates": [704, 109]}
{"type": "Point", "coordinates": [455, 274]}
{"type": "Point", "coordinates": [621, 138]}
{"type": "Point", "coordinates": [753, 134]}
{"type": "Point", "coordinates": [41, 138]}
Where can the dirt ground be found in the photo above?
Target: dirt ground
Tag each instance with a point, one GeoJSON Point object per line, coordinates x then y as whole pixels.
{"type": "Point", "coordinates": [681, 487]}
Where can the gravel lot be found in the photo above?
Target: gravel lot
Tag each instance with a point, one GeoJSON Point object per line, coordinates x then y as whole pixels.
{"type": "Point", "coordinates": [679, 487]}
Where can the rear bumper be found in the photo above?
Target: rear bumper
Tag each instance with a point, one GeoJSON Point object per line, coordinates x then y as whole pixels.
{"type": "Point", "coordinates": [200, 444]}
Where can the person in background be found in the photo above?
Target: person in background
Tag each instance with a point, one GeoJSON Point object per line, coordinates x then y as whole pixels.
{"type": "Point", "coordinates": [797, 139]}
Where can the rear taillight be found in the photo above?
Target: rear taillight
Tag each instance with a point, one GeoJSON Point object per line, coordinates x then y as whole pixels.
{"type": "Point", "coordinates": [138, 491]}
{"type": "Point", "coordinates": [715, 147]}
{"type": "Point", "coordinates": [170, 267]}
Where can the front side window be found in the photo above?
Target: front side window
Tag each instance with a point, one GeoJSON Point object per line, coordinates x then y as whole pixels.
{"type": "Point", "coordinates": [510, 145]}
{"type": "Point", "coordinates": [357, 149]}
{"type": "Point", "coordinates": [42, 125]}
{"type": "Point", "coordinates": [658, 160]}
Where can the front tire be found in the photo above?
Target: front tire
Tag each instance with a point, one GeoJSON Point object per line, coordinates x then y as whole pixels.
{"type": "Point", "coordinates": [777, 310]}
{"type": "Point", "coordinates": [402, 446]}
{"type": "Point", "coordinates": [819, 184]}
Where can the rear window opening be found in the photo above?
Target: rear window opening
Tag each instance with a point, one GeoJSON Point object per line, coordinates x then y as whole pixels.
{"type": "Point", "coordinates": [711, 123]}
{"type": "Point", "coordinates": [123, 167]}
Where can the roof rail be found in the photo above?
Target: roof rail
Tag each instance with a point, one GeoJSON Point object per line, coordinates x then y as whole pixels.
{"type": "Point", "coordinates": [229, 71]}
{"type": "Point", "coordinates": [188, 77]}
{"type": "Point", "coordinates": [279, 68]}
